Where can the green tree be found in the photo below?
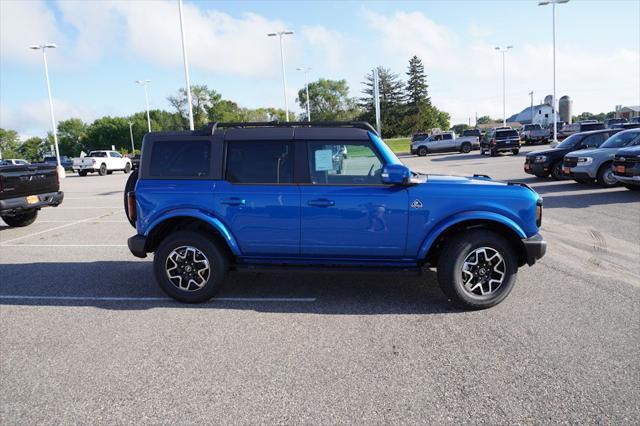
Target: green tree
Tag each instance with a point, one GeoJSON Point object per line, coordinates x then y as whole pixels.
{"type": "Point", "coordinates": [485, 119]}
{"type": "Point", "coordinates": [392, 107]}
{"type": "Point", "coordinates": [417, 88]}
{"type": "Point", "coordinates": [329, 100]}
{"type": "Point", "coordinates": [71, 136]}
{"type": "Point", "coordinates": [459, 128]}
{"type": "Point", "coordinates": [108, 131]}
{"type": "Point", "coordinates": [33, 149]}
{"type": "Point", "coordinates": [203, 101]}
{"type": "Point", "coordinates": [9, 143]}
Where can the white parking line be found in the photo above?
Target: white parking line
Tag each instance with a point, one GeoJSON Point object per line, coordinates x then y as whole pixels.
{"type": "Point", "coordinates": [52, 229]}
{"type": "Point", "coordinates": [156, 299]}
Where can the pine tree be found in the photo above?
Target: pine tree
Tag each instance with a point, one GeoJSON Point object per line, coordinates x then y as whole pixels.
{"type": "Point", "coordinates": [391, 101]}
{"type": "Point", "coordinates": [417, 88]}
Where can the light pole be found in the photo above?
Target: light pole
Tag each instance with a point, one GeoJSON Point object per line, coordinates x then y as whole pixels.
{"type": "Point", "coordinates": [305, 70]}
{"type": "Point", "coordinates": [531, 94]}
{"type": "Point", "coordinates": [44, 47]}
{"type": "Point", "coordinates": [133, 149]}
{"type": "Point", "coordinates": [144, 84]}
{"type": "Point", "coordinates": [284, 73]}
{"type": "Point", "coordinates": [555, 109]}
{"type": "Point", "coordinates": [503, 50]}
{"type": "Point", "coordinates": [186, 67]}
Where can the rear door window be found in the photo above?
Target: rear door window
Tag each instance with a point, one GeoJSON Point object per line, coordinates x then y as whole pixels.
{"type": "Point", "coordinates": [180, 158]}
{"type": "Point", "coordinates": [259, 162]}
{"type": "Point", "coordinates": [594, 141]}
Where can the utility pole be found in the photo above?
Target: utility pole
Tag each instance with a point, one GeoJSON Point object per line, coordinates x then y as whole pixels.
{"type": "Point", "coordinates": [185, 59]}
{"type": "Point", "coordinates": [531, 94]}
{"type": "Point", "coordinates": [44, 47]}
{"type": "Point", "coordinates": [133, 150]}
{"type": "Point", "coordinates": [504, 50]}
{"type": "Point", "coordinates": [284, 73]}
{"type": "Point", "coordinates": [144, 84]}
{"type": "Point", "coordinates": [306, 88]}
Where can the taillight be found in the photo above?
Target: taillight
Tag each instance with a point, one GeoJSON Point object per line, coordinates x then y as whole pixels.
{"type": "Point", "coordinates": [131, 206]}
{"type": "Point", "coordinates": [539, 212]}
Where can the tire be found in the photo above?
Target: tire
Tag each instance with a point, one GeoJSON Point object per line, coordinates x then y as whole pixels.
{"type": "Point", "coordinates": [466, 148]}
{"type": "Point", "coordinates": [82, 172]}
{"type": "Point", "coordinates": [127, 168]}
{"type": "Point", "coordinates": [20, 220]}
{"type": "Point", "coordinates": [482, 151]}
{"type": "Point", "coordinates": [128, 187]}
{"type": "Point", "coordinates": [452, 263]}
{"type": "Point", "coordinates": [198, 251]}
{"type": "Point", "coordinates": [103, 169]}
{"type": "Point", "coordinates": [541, 176]}
{"type": "Point", "coordinates": [632, 187]}
{"type": "Point", "coordinates": [423, 151]}
{"type": "Point", "coordinates": [515, 151]}
{"type": "Point", "coordinates": [605, 177]}
{"type": "Point", "coordinates": [556, 171]}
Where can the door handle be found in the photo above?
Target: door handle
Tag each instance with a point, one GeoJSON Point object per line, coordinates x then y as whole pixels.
{"type": "Point", "coordinates": [233, 202]}
{"type": "Point", "coordinates": [322, 202]}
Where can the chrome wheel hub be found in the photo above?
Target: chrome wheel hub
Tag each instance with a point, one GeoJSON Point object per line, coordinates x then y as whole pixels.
{"type": "Point", "coordinates": [483, 271]}
{"type": "Point", "coordinates": [187, 268]}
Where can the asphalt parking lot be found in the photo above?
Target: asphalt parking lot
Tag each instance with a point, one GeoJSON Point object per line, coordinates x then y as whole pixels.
{"type": "Point", "coordinates": [87, 337]}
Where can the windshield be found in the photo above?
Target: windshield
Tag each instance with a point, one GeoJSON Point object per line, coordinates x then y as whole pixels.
{"type": "Point", "coordinates": [621, 139]}
{"type": "Point", "coordinates": [570, 141]}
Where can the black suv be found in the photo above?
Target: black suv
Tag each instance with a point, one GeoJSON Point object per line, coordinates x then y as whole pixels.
{"type": "Point", "coordinates": [500, 139]}
{"type": "Point", "coordinates": [548, 162]}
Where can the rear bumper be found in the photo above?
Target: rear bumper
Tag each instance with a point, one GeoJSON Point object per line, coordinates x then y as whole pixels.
{"type": "Point", "coordinates": [137, 245]}
{"type": "Point", "coordinates": [16, 205]}
{"type": "Point", "coordinates": [535, 248]}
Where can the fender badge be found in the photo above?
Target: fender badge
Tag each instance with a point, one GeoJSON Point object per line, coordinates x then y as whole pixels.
{"type": "Point", "coordinates": [417, 204]}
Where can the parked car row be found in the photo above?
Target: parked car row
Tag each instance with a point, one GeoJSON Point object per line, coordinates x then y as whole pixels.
{"type": "Point", "coordinates": [608, 157]}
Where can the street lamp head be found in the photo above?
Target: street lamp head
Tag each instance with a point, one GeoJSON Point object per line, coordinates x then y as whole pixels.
{"type": "Point", "coordinates": [272, 35]}
{"type": "Point", "coordinates": [287, 32]}
{"type": "Point", "coordinates": [34, 47]}
{"type": "Point", "coordinates": [496, 48]}
{"type": "Point", "coordinates": [143, 82]}
{"type": "Point", "coordinates": [546, 2]}
{"type": "Point", "coordinates": [509, 47]}
{"type": "Point", "coordinates": [50, 46]}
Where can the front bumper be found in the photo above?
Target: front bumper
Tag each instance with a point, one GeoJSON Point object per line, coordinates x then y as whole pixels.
{"type": "Point", "coordinates": [16, 205]}
{"type": "Point", "coordinates": [535, 248]}
{"type": "Point", "coordinates": [634, 180]}
{"type": "Point", "coordinates": [541, 169]}
{"type": "Point", "coordinates": [137, 245]}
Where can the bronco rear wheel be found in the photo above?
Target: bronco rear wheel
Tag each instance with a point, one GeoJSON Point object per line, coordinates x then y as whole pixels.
{"type": "Point", "coordinates": [477, 269]}
{"type": "Point", "coordinates": [190, 267]}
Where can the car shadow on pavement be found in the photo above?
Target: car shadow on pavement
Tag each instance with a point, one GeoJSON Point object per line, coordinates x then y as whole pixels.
{"type": "Point", "coordinates": [90, 283]}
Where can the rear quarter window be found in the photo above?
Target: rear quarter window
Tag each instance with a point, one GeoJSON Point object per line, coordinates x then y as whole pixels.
{"type": "Point", "coordinates": [180, 158]}
{"type": "Point", "coordinates": [506, 134]}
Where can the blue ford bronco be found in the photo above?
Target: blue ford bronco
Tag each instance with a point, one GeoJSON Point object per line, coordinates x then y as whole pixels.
{"type": "Point", "coordinates": [329, 196]}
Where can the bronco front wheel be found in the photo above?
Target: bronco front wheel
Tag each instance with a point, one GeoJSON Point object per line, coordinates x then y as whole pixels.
{"type": "Point", "coordinates": [477, 269]}
{"type": "Point", "coordinates": [189, 267]}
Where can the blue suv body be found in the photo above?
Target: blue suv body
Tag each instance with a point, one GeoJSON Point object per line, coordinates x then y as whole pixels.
{"type": "Point", "coordinates": [331, 196]}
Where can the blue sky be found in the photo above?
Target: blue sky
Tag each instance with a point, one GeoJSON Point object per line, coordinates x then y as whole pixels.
{"type": "Point", "coordinates": [105, 45]}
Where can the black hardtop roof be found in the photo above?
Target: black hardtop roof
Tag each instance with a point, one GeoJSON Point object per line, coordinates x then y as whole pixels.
{"type": "Point", "coordinates": [275, 130]}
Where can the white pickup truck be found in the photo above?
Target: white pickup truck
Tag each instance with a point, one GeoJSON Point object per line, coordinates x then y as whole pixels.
{"type": "Point", "coordinates": [102, 162]}
{"type": "Point", "coordinates": [443, 142]}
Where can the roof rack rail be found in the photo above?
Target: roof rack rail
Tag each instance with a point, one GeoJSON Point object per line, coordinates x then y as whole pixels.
{"type": "Point", "coordinates": [357, 124]}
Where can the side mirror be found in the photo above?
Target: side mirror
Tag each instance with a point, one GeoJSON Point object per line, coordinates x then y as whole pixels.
{"type": "Point", "coordinates": [395, 174]}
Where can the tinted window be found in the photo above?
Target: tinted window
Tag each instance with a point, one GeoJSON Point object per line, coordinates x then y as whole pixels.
{"type": "Point", "coordinates": [260, 162]}
{"type": "Point", "coordinates": [591, 126]}
{"type": "Point", "coordinates": [622, 139]}
{"type": "Point", "coordinates": [594, 141]}
{"type": "Point", "coordinates": [189, 158]}
{"type": "Point", "coordinates": [97, 154]}
{"type": "Point", "coordinates": [446, 137]}
{"type": "Point", "coordinates": [506, 134]}
{"type": "Point", "coordinates": [570, 141]}
{"type": "Point", "coordinates": [351, 163]}
{"type": "Point", "coordinates": [115, 154]}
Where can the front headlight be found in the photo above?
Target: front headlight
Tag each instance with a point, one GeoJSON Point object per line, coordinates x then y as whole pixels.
{"type": "Point", "coordinates": [584, 161]}
{"type": "Point", "coordinates": [540, 159]}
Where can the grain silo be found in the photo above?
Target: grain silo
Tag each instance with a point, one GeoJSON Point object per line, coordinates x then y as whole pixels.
{"type": "Point", "coordinates": [548, 100]}
{"type": "Point", "coordinates": [565, 109]}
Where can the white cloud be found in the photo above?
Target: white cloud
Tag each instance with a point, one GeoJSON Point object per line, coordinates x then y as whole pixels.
{"type": "Point", "coordinates": [23, 23]}
{"type": "Point", "coordinates": [34, 119]}
{"type": "Point", "coordinates": [331, 43]}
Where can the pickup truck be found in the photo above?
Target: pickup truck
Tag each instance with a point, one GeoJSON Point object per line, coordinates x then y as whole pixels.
{"type": "Point", "coordinates": [65, 161]}
{"type": "Point", "coordinates": [587, 165]}
{"type": "Point", "coordinates": [259, 196]}
{"type": "Point", "coordinates": [500, 139]}
{"type": "Point", "coordinates": [533, 133]}
{"type": "Point", "coordinates": [102, 162]}
{"type": "Point", "coordinates": [444, 142]}
{"type": "Point", "coordinates": [25, 189]}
